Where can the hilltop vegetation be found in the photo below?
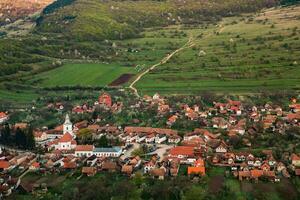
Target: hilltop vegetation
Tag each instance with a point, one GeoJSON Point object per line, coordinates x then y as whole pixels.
{"type": "Point", "coordinates": [240, 55]}
{"type": "Point", "coordinates": [236, 49]}
{"type": "Point", "coordinates": [98, 20]}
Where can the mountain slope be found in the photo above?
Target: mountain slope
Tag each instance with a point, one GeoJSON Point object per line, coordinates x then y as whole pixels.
{"type": "Point", "coordinates": [12, 10]}
{"type": "Point", "coordinates": [98, 20]}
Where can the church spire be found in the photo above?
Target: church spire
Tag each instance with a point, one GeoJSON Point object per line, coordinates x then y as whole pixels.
{"type": "Point", "coordinates": [68, 126]}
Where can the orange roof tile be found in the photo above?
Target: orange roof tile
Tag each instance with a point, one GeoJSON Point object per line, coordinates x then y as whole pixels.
{"type": "Point", "coordinates": [67, 137]}
{"type": "Point", "coordinates": [196, 170]}
{"type": "Point", "coordinates": [4, 164]}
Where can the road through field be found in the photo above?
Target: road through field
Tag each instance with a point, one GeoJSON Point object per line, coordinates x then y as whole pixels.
{"type": "Point", "coordinates": [189, 44]}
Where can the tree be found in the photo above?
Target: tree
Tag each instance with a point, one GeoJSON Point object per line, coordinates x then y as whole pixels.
{"type": "Point", "coordinates": [5, 134]}
{"type": "Point", "coordinates": [20, 138]}
{"type": "Point", "coordinates": [103, 142]}
{"type": "Point", "coordinates": [196, 192]}
{"type": "Point", "coordinates": [30, 142]}
{"type": "Point", "coordinates": [85, 136]}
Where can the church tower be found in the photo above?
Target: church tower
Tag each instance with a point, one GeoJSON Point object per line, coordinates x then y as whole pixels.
{"type": "Point", "coordinates": [68, 126]}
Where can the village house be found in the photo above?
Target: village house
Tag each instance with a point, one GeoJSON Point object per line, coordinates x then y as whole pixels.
{"type": "Point", "coordinates": [148, 166]}
{"type": "Point", "coordinates": [198, 168]}
{"type": "Point", "coordinates": [295, 160]}
{"type": "Point", "coordinates": [105, 100]}
{"type": "Point", "coordinates": [89, 150]}
{"type": "Point", "coordinates": [219, 122]}
{"type": "Point", "coordinates": [158, 173]}
{"type": "Point", "coordinates": [89, 171]}
{"type": "Point", "coordinates": [3, 117]}
{"type": "Point", "coordinates": [183, 153]}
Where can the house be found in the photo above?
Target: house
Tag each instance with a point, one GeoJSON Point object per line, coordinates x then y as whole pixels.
{"type": "Point", "coordinates": [4, 165]}
{"type": "Point", "coordinates": [105, 100]}
{"type": "Point", "coordinates": [198, 168]}
{"type": "Point", "coordinates": [295, 160]}
{"type": "Point", "coordinates": [3, 117]}
{"type": "Point", "coordinates": [219, 122]}
{"type": "Point", "coordinates": [149, 166]}
{"type": "Point", "coordinates": [150, 138]}
{"type": "Point", "coordinates": [158, 173]}
{"type": "Point", "coordinates": [89, 150]}
{"type": "Point", "coordinates": [172, 120]}
{"type": "Point", "coordinates": [181, 152]}
{"type": "Point", "coordinates": [206, 134]}
{"type": "Point", "coordinates": [35, 166]}
{"type": "Point", "coordinates": [89, 171]}
{"type": "Point", "coordinates": [84, 150]}
{"type": "Point", "coordinates": [174, 139]}
{"type": "Point", "coordinates": [66, 142]}
{"type": "Point", "coordinates": [127, 169]}
{"type": "Point", "coordinates": [297, 172]}
{"type": "Point", "coordinates": [140, 138]}
{"type": "Point", "coordinates": [222, 147]}
{"type": "Point", "coordinates": [40, 136]}
{"type": "Point", "coordinates": [159, 138]}
{"type": "Point", "coordinates": [108, 152]}
{"type": "Point", "coordinates": [109, 166]}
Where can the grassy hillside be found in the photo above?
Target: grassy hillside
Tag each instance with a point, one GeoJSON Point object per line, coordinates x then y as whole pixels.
{"type": "Point", "coordinates": [98, 20]}
{"type": "Point", "coordinates": [238, 55]}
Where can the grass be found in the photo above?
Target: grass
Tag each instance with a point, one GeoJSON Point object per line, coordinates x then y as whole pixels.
{"type": "Point", "coordinates": [242, 55]}
{"type": "Point", "coordinates": [81, 74]}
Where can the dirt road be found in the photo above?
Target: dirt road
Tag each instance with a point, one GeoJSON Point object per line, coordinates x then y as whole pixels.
{"type": "Point", "coordinates": [189, 44]}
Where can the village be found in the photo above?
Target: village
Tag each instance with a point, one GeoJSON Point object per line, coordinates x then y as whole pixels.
{"type": "Point", "coordinates": [222, 140]}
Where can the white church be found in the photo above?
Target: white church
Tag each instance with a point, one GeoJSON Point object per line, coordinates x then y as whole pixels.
{"type": "Point", "coordinates": [67, 141]}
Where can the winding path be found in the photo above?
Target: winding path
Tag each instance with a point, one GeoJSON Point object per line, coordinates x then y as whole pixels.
{"type": "Point", "coordinates": [189, 44]}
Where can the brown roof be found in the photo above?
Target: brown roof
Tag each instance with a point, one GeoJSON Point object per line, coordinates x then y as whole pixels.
{"type": "Point", "coordinates": [127, 169]}
{"type": "Point", "coordinates": [88, 170]}
{"type": "Point", "coordinates": [109, 165]}
{"type": "Point", "coordinates": [84, 148]}
{"type": "Point", "coordinates": [67, 137]}
{"type": "Point", "coordinates": [149, 130]}
{"type": "Point", "coordinates": [4, 164]}
{"type": "Point", "coordinates": [158, 172]}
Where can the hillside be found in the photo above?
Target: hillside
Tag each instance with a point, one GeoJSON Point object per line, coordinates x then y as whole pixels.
{"type": "Point", "coordinates": [98, 20]}
{"type": "Point", "coordinates": [246, 54]}
{"type": "Point", "coordinates": [12, 10]}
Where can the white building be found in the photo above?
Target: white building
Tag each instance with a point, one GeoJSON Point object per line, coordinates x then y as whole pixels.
{"type": "Point", "coordinates": [89, 150]}
{"type": "Point", "coordinates": [68, 126]}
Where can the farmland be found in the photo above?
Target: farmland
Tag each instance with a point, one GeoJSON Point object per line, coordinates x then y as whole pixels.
{"type": "Point", "coordinates": [81, 74]}
{"type": "Point", "coordinates": [262, 55]}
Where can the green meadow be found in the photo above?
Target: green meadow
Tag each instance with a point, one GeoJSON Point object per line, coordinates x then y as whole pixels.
{"type": "Point", "coordinates": [246, 54]}
{"type": "Point", "coordinates": [81, 75]}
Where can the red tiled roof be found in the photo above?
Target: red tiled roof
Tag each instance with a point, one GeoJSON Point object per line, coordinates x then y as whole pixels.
{"type": "Point", "coordinates": [3, 115]}
{"type": "Point", "coordinates": [84, 148]}
{"type": "Point", "coordinates": [295, 157]}
{"type": "Point", "coordinates": [182, 150]}
{"type": "Point", "coordinates": [149, 130]}
{"type": "Point", "coordinates": [67, 137]}
{"type": "Point", "coordinates": [4, 164]}
{"type": "Point", "coordinates": [69, 165]}
{"type": "Point", "coordinates": [196, 170]}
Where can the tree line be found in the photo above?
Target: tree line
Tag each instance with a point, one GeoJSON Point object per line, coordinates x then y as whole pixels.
{"type": "Point", "coordinates": [17, 137]}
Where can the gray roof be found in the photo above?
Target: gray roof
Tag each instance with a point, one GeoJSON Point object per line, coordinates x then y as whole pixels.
{"type": "Point", "coordinates": [107, 149]}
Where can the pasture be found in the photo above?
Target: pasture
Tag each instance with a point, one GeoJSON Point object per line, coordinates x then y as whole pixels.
{"type": "Point", "coordinates": [81, 75]}
{"type": "Point", "coordinates": [239, 55]}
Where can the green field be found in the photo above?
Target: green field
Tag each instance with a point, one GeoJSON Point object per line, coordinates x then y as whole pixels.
{"type": "Point", "coordinates": [244, 54]}
{"type": "Point", "coordinates": [81, 75]}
